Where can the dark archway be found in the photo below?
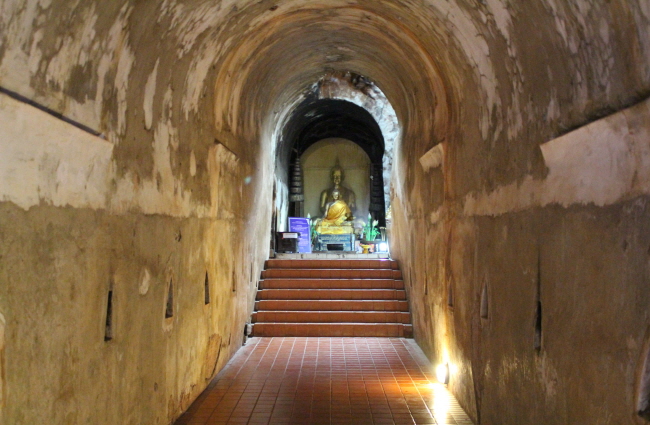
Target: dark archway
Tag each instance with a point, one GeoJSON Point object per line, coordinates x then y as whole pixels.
{"type": "Point", "coordinates": [316, 119]}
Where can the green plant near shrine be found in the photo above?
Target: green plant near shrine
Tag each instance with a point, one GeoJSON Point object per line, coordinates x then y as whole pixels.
{"type": "Point", "coordinates": [312, 227]}
{"type": "Point", "coordinates": [370, 230]}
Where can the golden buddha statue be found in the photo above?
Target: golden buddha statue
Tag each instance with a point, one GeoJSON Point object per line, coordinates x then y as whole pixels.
{"type": "Point", "coordinates": [347, 195]}
{"type": "Point", "coordinates": [337, 219]}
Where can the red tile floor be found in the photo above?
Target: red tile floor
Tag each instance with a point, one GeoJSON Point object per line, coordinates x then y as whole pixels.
{"type": "Point", "coordinates": [285, 380]}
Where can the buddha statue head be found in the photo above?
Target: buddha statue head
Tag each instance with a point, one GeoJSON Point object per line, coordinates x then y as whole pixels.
{"type": "Point", "coordinates": [337, 175]}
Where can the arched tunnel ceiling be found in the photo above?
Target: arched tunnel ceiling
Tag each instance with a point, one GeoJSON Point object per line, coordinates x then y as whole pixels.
{"type": "Point", "coordinates": [455, 71]}
{"type": "Point", "coordinates": [276, 61]}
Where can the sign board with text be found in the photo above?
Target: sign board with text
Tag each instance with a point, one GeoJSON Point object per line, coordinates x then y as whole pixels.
{"type": "Point", "coordinates": [301, 225]}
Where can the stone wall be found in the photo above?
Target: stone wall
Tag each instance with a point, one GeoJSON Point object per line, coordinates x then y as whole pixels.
{"type": "Point", "coordinates": [561, 264]}
{"type": "Point", "coordinates": [114, 180]}
{"type": "Point", "coordinates": [543, 226]}
{"type": "Point", "coordinates": [69, 238]}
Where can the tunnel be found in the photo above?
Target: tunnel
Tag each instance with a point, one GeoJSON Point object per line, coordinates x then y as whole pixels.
{"type": "Point", "coordinates": [146, 155]}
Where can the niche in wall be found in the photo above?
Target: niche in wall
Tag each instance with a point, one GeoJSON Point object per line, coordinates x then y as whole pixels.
{"type": "Point", "coordinates": [317, 119]}
{"type": "Point", "coordinates": [484, 310]}
{"type": "Point", "coordinates": [108, 330]}
{"type": "Point", "coordinates": [643, 391]}
{"type": "Point", "coordinates": [317, 162]}
{"type": "Point", "coordinates": [169, 307]}
{"type": "Point", "coordinates": [206, 289]}
{"type": "Point", "coordinates": [537, 340]}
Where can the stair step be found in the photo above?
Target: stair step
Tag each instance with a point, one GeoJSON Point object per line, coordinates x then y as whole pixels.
{"type": "Point", "coordinates": [332, 316]}
{"type": "Point", "coordinates": [333, 329]}
{"type": "Point", "coordinates": [331, 294]}
{"type": "Point", "coordinates": [332, 297]}
{"type": "Point", "coordinates": [279, 283]}
{"type": "Point", "coordinates": [335, 264]}
{"type": "Point", "coordinates": [332, 305]}
{"type": "Point", "coordinates": [332, 273]}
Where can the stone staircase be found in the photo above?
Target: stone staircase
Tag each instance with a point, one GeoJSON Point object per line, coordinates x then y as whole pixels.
{"type": "Point", "coordinates": [325, 297]}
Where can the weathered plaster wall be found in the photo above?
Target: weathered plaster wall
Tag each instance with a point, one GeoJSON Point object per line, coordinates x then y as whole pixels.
{"type": "Point", "coordinates": [61, 265]}
{"type": "Point", "coordinates": [72, 230]}
{"type": "Point", "coordinates": [187, 97]}
{"type": "Point", "coordinates": [157, 197]}
{"type": "Point", "coordinates": [517, 209]}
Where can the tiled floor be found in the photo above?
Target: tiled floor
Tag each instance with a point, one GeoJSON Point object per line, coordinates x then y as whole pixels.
{"type": "Point", "coordinates": [326, 381]}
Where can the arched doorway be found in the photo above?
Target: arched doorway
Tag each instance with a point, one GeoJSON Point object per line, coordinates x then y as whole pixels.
{"type": "Point", "coordinates": [324, 121]}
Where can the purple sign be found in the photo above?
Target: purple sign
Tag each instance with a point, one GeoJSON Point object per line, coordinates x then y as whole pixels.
{"type": "Point", "coordinates": [301, 224]}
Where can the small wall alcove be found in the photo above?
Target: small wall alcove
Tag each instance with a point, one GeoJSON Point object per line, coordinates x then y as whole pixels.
{"type": "Point", "coordinates": [317, 162]}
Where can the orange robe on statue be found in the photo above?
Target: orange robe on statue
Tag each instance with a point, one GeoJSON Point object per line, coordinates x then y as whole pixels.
{"type": "Point", "coordinates": [333, 223]}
